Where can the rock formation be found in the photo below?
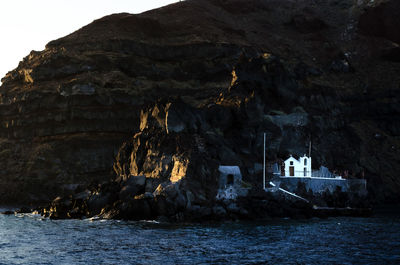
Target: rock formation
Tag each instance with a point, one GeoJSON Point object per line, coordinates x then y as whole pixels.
{"type": "Point", "coordinates": [155, 102]}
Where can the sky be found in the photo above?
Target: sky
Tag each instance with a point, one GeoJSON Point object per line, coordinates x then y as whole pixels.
{"type": "Point", "coordinates": [27, 25]}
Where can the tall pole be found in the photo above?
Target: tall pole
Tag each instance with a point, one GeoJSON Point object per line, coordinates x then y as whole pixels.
{"type": "Point", "coordinates": [264, 166]}
{"type": "Point", "coordinates": [309, 150]}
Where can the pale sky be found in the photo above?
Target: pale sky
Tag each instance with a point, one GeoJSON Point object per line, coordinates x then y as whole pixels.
{"type": "Point", "coordinates": [27, 25]}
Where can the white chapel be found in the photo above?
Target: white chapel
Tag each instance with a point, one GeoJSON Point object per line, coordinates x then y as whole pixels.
{"type": "Point", "coordinates": [297, 168]}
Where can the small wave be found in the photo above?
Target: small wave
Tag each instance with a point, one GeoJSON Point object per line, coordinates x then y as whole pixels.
{"type": "Point", "coordinates": [150, 221]}
{"type": "Point", "coordinates": [92, 219]}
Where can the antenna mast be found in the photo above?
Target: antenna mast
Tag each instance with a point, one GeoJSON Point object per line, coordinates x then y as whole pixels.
{"type": "Point", "coordinates": [264, 165]}
{"type": "Point", "coordinates": [309, 150]}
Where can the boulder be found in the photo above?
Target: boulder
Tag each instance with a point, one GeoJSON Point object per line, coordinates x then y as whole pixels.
{"type": "Point", "coordinates": [132, 186]}
{"type": "Point", "coordinates": [138, 181]}
{"type": "Point", "coordinates": [148, 195]}
{"type": "Point", "coordinates": [243, 212]}
{"type": "Point", "coordinates": [219, 211]}
{"type": "Point", "coordinates": [128, 192]}
{"type": "Point", "coordinates": [111, 213]}
{"type": "Point", "coordinates": [169, 190]}
{"type": "Point", "coordinates": [341, 65]}
{"type": "Point", "coordinates": [233, 208]}
{"type": "Point", "coordinates": [82, 195]}
{"type": "Point", "coordinates": [163, 206]}
{"type": "Point", "coordinates": [137, 209]}
{"type": "Point", "coordinates": [159, 190]}
{"type": "Point", "coordinates": [59, 208]}
{"type": "Point", "coordinates": [24, 210]}
{"type": "Point", "coordinates": [180, 202]}
{"type": "Point", "coordinates": [204, 211]}
{"type": "Point", "coordinates": [181, 117]}
{"type": "Point", "coordinates": [189, 198]}
{"type": "Point", "coordinates": [149, 185]}
{"type": "Point", "coordinates": [97, 202]}
{"type": "Point", "coordinates": [75, 213]}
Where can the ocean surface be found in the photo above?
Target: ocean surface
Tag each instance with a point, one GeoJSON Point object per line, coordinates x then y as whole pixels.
{"type": "Point", "coordinates": [31, 239]}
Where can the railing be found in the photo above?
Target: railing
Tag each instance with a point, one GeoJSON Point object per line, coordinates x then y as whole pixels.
{"type": "Point", "coordinates": [299, 173]}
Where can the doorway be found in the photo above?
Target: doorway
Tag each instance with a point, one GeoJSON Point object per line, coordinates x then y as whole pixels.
{"type": "Point", "coordinates": [229, 180]}
{"type": "Point", "coordinates": [291, 171]}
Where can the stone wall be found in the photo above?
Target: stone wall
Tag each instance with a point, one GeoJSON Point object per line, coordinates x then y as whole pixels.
{"type": "Point", "coordinates": [318, 185]}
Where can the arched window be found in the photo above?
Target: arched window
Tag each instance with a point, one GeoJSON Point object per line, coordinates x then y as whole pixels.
{"type": "Point", "coordinates": [229, 179]}
{"type": "Point", "coordinates": [305, 161]}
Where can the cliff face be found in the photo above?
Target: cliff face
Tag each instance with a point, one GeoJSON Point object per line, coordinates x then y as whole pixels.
{"type": "Point", "coordinates": [196, 84]}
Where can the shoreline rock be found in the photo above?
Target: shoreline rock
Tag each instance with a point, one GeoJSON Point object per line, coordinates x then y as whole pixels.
{"type": "Point", "coordinates": [168, 203]}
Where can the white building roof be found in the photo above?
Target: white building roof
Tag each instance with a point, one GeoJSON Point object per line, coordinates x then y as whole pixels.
{"type": "Point", "coordinates": [291, 158]}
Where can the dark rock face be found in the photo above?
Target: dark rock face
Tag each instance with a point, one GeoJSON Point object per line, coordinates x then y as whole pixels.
{"type": "Point", "coordinates": [391, 54]}
{"type": "Point", "coordinates": [306, 23]}
{"type": "Point", "coordinates": [164, 97]}
{"type": "Point", "coordinates": [382, 20]}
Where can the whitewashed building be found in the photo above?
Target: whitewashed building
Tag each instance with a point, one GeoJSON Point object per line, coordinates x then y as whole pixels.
{"type": "Point", "coordinates": [297, 168]}
{"type": "Point", "coordinates": [229, 176]}
{"type": "Point", "coordinates": [230, 183]}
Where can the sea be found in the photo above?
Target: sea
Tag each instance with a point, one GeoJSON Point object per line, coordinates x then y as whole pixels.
{"type": "Point", "coordinates": [32, 239]}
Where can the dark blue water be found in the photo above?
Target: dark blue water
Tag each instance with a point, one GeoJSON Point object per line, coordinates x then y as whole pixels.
{"type": "Point", "coordinates": [30, 239]}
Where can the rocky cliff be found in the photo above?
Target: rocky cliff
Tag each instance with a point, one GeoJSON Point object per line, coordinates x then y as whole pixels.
{"type": "Point", "coordinates": [174, 92]}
